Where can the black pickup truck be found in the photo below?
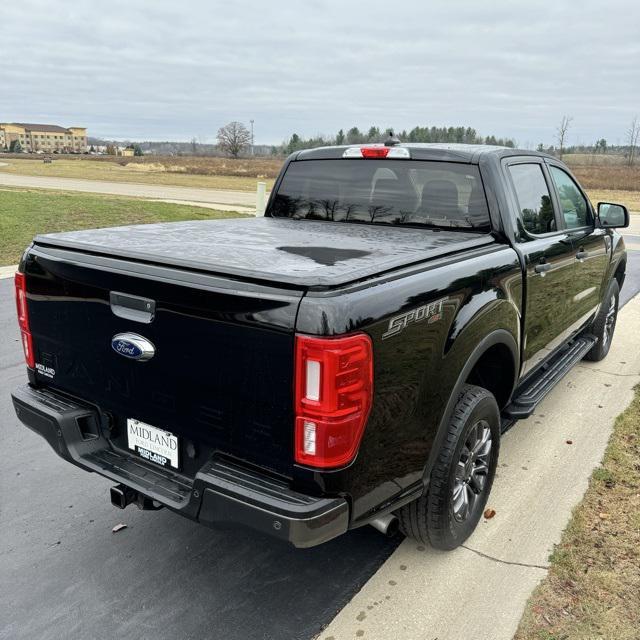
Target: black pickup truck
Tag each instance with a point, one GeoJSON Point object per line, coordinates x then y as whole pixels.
{"type": "Point", "coordinates": [350, 358]}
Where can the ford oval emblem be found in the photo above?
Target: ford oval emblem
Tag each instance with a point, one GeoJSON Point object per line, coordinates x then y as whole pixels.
{"type": "Point", "coordinates": [133, 346]}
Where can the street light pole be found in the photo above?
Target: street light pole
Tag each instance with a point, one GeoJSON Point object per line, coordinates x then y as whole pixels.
{"type": "Point", "coordinates": [251, 121]}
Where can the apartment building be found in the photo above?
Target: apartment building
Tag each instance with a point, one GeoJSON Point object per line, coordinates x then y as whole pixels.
{"type": "Point", "coordinates": [47, 138]}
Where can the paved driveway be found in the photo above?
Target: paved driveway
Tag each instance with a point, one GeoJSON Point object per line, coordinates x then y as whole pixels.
{"type": "Point", "coordinates": [222, 199]}
{"type": "Point", "coordinates": [64, 575]}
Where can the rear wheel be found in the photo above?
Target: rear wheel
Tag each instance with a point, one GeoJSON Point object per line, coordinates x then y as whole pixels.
{"type": "Point", "coordinates": [605, 323]}
{"type": "Point", "coordinates": [462, 475]}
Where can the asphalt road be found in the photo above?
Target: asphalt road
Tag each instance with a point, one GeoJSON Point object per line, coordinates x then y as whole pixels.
{"type": "Point", "coordinates": [632, 281]}
{"type": "Point", "coordinates": [64, 574]}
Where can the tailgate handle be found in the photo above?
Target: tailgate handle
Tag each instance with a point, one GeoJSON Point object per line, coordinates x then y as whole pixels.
{"type": "Point", "coordinates": [131, 307]}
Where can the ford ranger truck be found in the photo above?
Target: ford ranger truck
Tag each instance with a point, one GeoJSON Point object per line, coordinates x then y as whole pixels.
{"type": "Point", "coordinates": [350, 358]}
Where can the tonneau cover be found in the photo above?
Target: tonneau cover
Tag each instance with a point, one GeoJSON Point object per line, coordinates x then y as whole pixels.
{"type": "Point", "coordinates": [280, 251]}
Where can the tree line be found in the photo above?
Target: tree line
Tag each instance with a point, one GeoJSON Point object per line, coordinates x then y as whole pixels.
{"type": "Point", "coordinates": [629, 149]}
{"type": "Point", "coordinates": [235, 140]}
{"type": "Point", "coordinates": [465, 135]}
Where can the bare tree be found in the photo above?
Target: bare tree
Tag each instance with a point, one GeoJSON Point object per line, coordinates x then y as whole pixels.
{"type": "Point", "coordinates": [233, 138]}
{"type": "Point", "coordinates": [600, 146]}
{"type": "Point", "coordinates": [633, 135]}
{"type": "Point", "coordinates": [561, 132]}
{"type": "Point", "coordinates": [194, 145]}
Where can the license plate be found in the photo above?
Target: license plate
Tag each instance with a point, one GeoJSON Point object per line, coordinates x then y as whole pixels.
{"type": "Point", "coordinates": [152, 444]}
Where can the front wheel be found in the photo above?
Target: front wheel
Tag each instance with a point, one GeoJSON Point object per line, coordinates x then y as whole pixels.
{"type": "Point", "coordinates": [605, 323]}
{"type": "Point", "coordinates": [462, 476]}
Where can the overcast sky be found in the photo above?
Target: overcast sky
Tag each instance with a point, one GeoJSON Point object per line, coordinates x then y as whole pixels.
{"type": "Point", "coordinates": [174, 69]}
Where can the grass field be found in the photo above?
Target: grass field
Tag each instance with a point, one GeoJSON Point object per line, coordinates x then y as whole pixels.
{"type": "Point", "coordinates": [617, 177]}
{"type": "Point", "coordinates": [590, 159]}
{"type": "Point", "coordinates": [593, 587]}
{"type": "Point", "coordinates": [631, 199]}
{"type": "Point", "coordinates": [212, 173]}
{"type": "Point", "coordinates": [25, 213]}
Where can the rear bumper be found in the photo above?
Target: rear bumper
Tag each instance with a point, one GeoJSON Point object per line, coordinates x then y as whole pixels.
{"type": "Point", "coordinates": [221, 492]}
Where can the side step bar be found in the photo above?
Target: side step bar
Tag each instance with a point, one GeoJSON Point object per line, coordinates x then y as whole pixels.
{"type": "Point", "coordinates": [545, 379]}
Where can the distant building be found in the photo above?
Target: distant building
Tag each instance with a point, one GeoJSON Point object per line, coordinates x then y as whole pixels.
{"type": "Point", "coordinates": [47, 138]}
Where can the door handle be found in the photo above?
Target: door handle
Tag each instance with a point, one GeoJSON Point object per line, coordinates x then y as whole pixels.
{"type": "Point", "coordinates": [582, 254]}
{"type": "Point", "coordinates": [543, 267]}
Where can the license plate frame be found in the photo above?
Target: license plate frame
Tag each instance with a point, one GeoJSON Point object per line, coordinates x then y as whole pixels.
{"type": "Point", "coordinates": [152, 444]}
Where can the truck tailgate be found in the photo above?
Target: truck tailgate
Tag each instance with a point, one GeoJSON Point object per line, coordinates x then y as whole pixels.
{"type": "Point", "coordinates": [221, 376]}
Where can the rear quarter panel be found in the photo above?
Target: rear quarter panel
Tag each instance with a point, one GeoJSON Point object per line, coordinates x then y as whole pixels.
{"type": "Point", "coordinates": [445, 310]}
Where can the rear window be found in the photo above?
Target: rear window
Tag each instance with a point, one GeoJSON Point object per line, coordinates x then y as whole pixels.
{"type": "Point", "coordinates": [398, 192]}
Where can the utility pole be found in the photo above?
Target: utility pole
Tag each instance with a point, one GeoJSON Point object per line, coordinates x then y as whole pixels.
{"type": "Point", "coordinates": [251, 121]}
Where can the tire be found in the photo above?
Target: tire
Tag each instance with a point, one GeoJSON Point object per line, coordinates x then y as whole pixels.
{"type": "Point", "coordinates": [438, 517]}
{"type": "Point", "coordinates": [604, 324]}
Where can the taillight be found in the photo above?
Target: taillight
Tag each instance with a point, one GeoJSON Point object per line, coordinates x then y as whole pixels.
{"type": "Point", "coordinates": [333, 391]}
{"type": "Point", "coordinates": [377, 151]}
{"type": "Point", "coordinates": [23, 319]}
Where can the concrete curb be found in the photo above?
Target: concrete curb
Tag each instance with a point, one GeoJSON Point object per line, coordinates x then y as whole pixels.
{"type": "Point", "coordinates": [212, 205]}
{"type": "Point", "coordinates": [480, 590]}
{"type": "Point", "coordinates": [8, 272]}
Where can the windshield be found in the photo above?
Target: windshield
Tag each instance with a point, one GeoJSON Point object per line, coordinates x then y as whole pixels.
{"type": "Point", "coordinates": [399, 192]}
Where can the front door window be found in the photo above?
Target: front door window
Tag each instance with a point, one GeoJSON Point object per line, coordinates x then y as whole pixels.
{"type": "Point", "coordinates": [575, 209]}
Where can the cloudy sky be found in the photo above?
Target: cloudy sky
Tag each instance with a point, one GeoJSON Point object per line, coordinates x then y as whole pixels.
{"type": "Point", "coordinates": [171, 70]}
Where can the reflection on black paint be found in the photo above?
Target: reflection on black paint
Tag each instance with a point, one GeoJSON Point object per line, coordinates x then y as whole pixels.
{"type": "Point", "coordinates": [325, 255]}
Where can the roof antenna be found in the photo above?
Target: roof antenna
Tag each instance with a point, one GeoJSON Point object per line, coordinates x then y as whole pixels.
{"type": "Point", "coordinates": [392, 140]}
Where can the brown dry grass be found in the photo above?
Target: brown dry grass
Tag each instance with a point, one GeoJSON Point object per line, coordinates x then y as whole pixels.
{"type": "Point", "coordinates": [590, 159]}
{"type": "Point", "coordinates": [593, 587]}
{"type": "Point", "coordinates": [617, 177]}
{"type": "Point", "coordinates": [258, 168]}
{"type": "Point", "coordinates": [210, 173]}
{"type": "Point", "coordinates": [631, 199]}
{"type": "Point", "coordinates": [193, 165]}
{"type": "Point", "coordinates": [607, 178]}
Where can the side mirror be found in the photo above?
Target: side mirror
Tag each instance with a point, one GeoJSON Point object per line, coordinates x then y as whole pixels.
{"type": "Point", "coordinates": [613, 216]}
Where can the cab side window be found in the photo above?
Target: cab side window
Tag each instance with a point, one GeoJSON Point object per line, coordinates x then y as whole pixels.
{"type": "Point", "coordinates": [534, 200]}
{"type": "Point", "coordinates": [575, 209]}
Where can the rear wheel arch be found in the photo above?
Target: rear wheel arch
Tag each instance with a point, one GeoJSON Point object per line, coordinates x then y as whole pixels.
{"type": "Point", "coordinates": [620, 272]}
{"type": "Point", "coordinates": [495, 370]}
{"type": "Point", "coordinates": [498, 344]}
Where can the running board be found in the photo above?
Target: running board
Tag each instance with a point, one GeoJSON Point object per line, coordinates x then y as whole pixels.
{"type": "Point", "coordinates": [542, 381]}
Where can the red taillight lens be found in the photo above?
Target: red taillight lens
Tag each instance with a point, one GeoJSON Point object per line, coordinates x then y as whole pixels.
{"type": "Point", "coordinates": [375, 152]}
{"type": "Point", "coordinates": [23, 319]}
{"type": "Point", "coordinates": [21, 301]}
{"type": "Point", "coordinates": [333, 391]}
